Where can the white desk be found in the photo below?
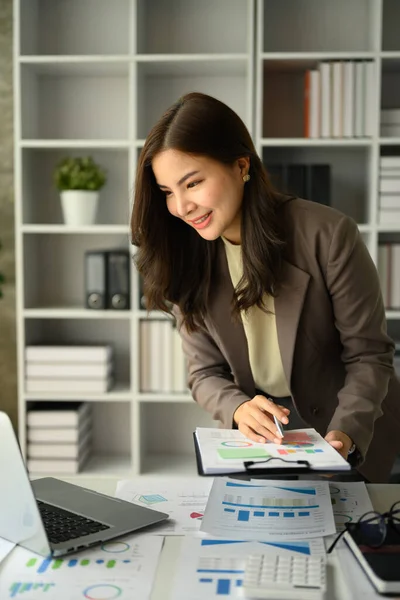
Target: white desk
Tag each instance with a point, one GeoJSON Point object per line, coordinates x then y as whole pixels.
{"type": "Point", "coordinates": [382, 497]}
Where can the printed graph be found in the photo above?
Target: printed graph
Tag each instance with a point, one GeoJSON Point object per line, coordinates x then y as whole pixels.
{"type": "Point", "coordinates": [50, 564]}
{"type": "Point", "coordinates": [149, 499]}
{"type": "Point", "coordinates": [251, 509]}
{"type": "Point", "coordinates": [220, 576]}
{"type": "Point", "coordinates": [245, 453]}
{"type": "Point", "coordinates": [102, 591]}
{"type": "Point", "coordinates": [18, 588]}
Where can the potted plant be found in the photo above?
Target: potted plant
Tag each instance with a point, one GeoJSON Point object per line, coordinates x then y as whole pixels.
{"type": "Point", "coordinates": [79, 180]}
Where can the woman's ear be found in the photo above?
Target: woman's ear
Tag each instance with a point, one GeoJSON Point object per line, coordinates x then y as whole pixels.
{"type": "Point", "coordinates": [244, 165]}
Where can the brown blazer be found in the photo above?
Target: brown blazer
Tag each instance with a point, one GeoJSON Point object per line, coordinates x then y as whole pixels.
{"type": "Point", "coordinates": [336, 354]}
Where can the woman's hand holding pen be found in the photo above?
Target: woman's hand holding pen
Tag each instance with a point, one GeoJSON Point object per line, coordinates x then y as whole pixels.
{"type": "Point", "coordinates": [255, 419]}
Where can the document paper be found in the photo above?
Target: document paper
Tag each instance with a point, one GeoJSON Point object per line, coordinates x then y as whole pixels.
{"type": "Point", "coordinates": [184, 499]}
{"type": "Point", "coordinates": [123, 569]}
{"type": "Point", "coordinates": [211, 569]}
{"type": "Point", "coordinates": [272, 510]}
{"type": "Point", "coordinates": [226, 450]}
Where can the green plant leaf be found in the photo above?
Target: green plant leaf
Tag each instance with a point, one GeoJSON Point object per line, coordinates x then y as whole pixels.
{"type": "Point", "coordinates": [79, 173]}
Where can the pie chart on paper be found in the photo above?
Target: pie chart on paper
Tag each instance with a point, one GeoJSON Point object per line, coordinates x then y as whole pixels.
{"type": "Point", "coordinates": [196, 515]}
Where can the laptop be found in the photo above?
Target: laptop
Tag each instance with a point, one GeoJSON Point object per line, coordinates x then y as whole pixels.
{"type": "Point", "coordinates": [53, 518]}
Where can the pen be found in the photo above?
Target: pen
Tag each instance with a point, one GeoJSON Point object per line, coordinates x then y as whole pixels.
{"type": "Point", "coordinates": [278, 426]}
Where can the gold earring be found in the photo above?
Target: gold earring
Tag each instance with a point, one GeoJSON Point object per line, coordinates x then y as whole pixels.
{"type": "Point", "coordinates": [246, 177]}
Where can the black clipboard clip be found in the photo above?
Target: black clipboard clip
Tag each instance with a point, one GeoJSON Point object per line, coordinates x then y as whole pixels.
{"type": "Point", "coordinates": [301, 464]}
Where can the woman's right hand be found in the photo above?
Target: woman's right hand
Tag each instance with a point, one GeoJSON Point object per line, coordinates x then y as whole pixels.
{"type": "Point", "coordinates": [255, 419]}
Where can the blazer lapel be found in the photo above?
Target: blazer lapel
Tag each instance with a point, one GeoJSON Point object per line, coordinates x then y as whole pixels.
{"type": "Point", "coordinates": [230, 332]}
{"type": "Point", "coordinates": [288, 306]}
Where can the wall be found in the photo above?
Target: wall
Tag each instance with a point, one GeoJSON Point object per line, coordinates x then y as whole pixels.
{"type": "Point", "coordinates": [8, 376]}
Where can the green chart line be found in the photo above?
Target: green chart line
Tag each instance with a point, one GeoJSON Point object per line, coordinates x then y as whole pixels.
{"type": "Point", "coordinates": [84, 562]}
{"type": "Point", "coordinates": [110, 564]}
{"type": "Point", "coordinates": [57, 564]}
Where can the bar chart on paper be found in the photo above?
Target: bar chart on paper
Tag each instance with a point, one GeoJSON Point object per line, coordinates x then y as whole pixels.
{"type": "Point", "coordinates": [122, 569]}
{"type": "Point", "coordinates": [268, 511]}
{"type": "Point", "coordinates": [213, 568]}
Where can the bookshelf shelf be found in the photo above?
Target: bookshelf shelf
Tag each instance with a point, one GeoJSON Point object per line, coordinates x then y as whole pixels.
{"type": "Point", "coordinates": [91, 78]}
{"type": "Point", "coordinates": [55, 312]}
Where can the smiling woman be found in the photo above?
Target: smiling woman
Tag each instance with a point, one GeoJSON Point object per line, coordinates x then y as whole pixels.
{"type": "Point", "coordinates": [277, 300]}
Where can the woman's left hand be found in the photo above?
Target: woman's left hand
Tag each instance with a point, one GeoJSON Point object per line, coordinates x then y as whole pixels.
{"type": "Point", "coordinates": [340, 441]}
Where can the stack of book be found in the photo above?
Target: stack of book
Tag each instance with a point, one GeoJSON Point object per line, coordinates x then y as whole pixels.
{"type": "Point", "coordinates": [389, 190]}
{"type": "Point", "coordinates": [338, 100]}
{"type": "Point", "coordinates": [162, 362]}
{"type": "Point", "coordinates": [59, 437]}
{"type": "Point", "coordinates": [312, 182]}
{"type": "Point", "coordinates": [68, 369]}
{"type": "Point", "coordinates": [390, 122]}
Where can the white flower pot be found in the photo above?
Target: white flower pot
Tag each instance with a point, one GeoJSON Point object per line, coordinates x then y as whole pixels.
{"type": "Point", "coordinates": [79, 207]}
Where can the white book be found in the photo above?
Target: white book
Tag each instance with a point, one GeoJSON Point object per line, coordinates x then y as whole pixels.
{"type": "Point", "coordinates": [348, 99]}
{"type": "Point", "coordinates": [359, 97]}
{"type": "Point", "coordinates": [60, 465]}
{"type": "Point", "coordinates": [369, 96]}
{"type": "Point", "coordinates": [179, 365]}
{"type": "Point", "coordinates": [315, 104]}
{"type": "Point", "coordinates": [390, 116]}
{"type": "Point", "coordinates": [58, 414]}
{"type": "Point", "coordinates": [390, 130]}
{"type": "Point", "coordinates": [59, 435]}
{"type": "Point", "coordinates": [223, 451]}
{"type": "Point", "coordinates": [389, 202]}
{"type": "Point", "coordinates": [394, 277]}
{"type": "Point", "coordinates": [337, 99]}
{"type": "Point", "coordinates": [389, 172]}
{"type": "Point", "coordinates": [388, 217]}
{"type": "Point", "coordinates": [166, 352]}
{"type": "Point", "coordinates": [155, 356]}
{"type": "Point", "coordinates": [389, 185]}
{"type": "Point", "coordinates": [144, 333]}
{"type": "Point", "coordinates": [389, 162]}
{"type": "Point", "coordinates": [68, 353]}
{"type": "Point", "coordinates": [325, 74]}
{"type": "Point", "coordinates": [79, 386]}
{"type": "Point", "coordinates": [383, 265]}
{"type": "Point", "coordinates": [50, 451]}
{"type": "Point", "coordinates": [76, 370]}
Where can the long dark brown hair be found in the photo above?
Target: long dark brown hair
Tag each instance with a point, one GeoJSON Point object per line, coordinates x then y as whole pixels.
{"type": "Point", "coordinates": [176, 263]}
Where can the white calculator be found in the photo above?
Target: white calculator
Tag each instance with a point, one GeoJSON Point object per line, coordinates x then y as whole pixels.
{"type": "Point", "coordinates": [278, 577]}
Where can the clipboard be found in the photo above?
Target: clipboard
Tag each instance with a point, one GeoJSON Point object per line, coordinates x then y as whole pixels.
{"type": "Point", "coordinates": [250, 468]}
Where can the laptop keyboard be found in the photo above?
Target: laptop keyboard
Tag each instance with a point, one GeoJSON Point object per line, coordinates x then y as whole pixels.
{"type": "Point", "coordinates": [62, 525]}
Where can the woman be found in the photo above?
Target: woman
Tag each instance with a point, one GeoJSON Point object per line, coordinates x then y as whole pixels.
{"type": "Point", "coordinates": [278, 301]}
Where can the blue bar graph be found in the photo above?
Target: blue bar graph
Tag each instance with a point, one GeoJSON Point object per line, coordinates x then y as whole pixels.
{"type": "Point", "coordinates": [259, 513]}
{"type": "Point", "coordinates": [288, 514]}
{"type": "Point", "coordinates": [243, 515]}
{"type": "Point", "coordinates": [223, 584]}
{"type": "Point", "coordinates": [304, 514]}
{"type": "Point", "coordinates": [20, 588]}
{"type": "Point", "coordinates": [273, 514]}
{"type": "Point", "coordinates": [231, 510]}
{"type": "Point", "coordinates": [223, 587]}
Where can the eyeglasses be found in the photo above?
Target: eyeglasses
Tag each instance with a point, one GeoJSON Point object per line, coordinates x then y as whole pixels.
{"type": "Point", "coordinates": [372, 528]}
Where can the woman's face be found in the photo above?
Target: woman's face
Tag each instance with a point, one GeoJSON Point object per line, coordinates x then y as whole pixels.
{"type": "Point", "coordinates": [203, 192]}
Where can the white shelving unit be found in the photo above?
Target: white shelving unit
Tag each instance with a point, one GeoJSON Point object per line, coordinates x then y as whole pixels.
{"type": "Point", "coordinates": [92, 77]}
{"type": "Point", "coordinates": [296, 35]}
